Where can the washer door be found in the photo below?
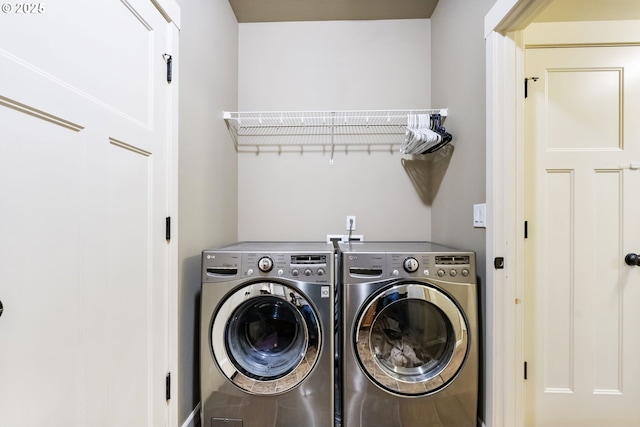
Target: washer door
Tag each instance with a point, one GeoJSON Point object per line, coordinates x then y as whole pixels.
{"type": "Point", "coordinates": [411, 339]}
{"type": "Point", "coordinates": [265, 337]}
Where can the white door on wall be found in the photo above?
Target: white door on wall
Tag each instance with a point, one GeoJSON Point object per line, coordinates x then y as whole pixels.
{"type": "Point", "coordinates": [84, 192]}
{"type": "Point", "coordinates": [582, 301]}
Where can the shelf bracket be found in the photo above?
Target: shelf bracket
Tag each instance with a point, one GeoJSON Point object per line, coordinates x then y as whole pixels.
{"type": "Point", "coordinates": [333, 118]}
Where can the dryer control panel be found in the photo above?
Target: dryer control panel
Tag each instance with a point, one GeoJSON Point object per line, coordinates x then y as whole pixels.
{"type": "Point", "coordinates": [365, 267]}
{"type": "Point", "coordinates": [451, 267]}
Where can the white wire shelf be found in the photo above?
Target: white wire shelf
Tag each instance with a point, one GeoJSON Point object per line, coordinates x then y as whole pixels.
{"type": "Point", "coordinates": [320, 130]}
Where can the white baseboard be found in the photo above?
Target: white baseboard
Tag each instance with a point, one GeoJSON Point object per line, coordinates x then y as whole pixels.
{"type": "Point", "coordinates": [191, 419]}
{"type": "Point", "coordinates": [481, 423]}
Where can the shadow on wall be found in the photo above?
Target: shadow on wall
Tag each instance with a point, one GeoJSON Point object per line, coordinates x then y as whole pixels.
{"type": "Point", "coordinates": [482, 298]}
{"type": "Point", "coordinates": [190, 340]}
{"type": "Point", "coordinates": [426, 172]}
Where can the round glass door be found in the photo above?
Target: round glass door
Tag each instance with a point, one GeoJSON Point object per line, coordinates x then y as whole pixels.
{"type": "Point", "coordinates": [265, 338]}
{"type": "Point", "coordinates": [411, 339]}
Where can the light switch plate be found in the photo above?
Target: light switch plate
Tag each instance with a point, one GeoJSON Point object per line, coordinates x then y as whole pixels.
{"type": "Point", "coordinates": [480, 215]}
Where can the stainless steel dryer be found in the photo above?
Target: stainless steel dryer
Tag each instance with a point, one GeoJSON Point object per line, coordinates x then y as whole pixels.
{"type": "Point", "coordinates": [267, 319]}
{"type": "Point", "coordinates": [410, 335]}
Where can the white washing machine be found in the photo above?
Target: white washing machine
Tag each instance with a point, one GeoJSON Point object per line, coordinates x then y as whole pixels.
{"type": "Point", "coordinates": [267, 337]}
{"type": "Point", "coordinates": [410, 335]}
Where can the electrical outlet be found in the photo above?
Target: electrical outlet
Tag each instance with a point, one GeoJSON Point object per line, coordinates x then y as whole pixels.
{"type": "Point", "coordinates": [334, 237]}
{"type": "Point", "coordinates": [344, 238]}
{"type": "Point", "coordinates": [351, 222]}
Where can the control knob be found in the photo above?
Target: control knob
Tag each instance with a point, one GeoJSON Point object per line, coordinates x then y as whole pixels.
{"type": "Point", "coordinates": [410, 265]}
{"type": "Point", "coordinates": [265, 264]}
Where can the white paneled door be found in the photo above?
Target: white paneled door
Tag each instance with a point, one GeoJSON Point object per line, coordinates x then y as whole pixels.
{"type": "Point", "coordinates": [84, 192]}
{"type": "Point", "coordinates": [582, 301]}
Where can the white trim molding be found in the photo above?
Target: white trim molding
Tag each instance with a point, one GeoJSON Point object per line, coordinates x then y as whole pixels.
{"type": "Point", "coordinates": [169, 9]}
{"type": "Point", "coordinates": [501, 195]}
{"type": "Point", "coordinates": [512, 15]}
{"type": "Point", "coordinates": [505, 219]}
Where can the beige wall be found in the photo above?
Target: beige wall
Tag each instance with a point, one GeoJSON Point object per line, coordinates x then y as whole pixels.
{"type": "Point", "coordinates": [207, 165]}
{"type": "Point", "coordinates": [335, 65]}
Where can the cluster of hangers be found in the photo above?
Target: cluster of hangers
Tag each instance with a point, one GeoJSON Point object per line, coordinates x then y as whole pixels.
{"type": "Point", "coordinates": [425, 134]}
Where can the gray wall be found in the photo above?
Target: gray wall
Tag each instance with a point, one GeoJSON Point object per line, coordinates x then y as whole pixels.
{"type": "Point", "coordinates": [458, 81]}
{"type": "Point", "coordinates": [335, 65]}
{"type": "Point", "coordinates": [207, 165]}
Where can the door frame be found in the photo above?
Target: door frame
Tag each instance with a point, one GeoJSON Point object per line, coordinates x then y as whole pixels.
{"type": "Point", "coordinates": [505, 138]}
{"type": "Point", "coordinates": [505, 208]}
{"type": "Point", "coordinates": [170, 10]}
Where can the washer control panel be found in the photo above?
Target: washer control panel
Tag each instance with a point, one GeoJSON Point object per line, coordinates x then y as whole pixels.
{"type": "Point", "coordinates": [297, 266]}
{"type": "Point", "coordinates": [308, 267]}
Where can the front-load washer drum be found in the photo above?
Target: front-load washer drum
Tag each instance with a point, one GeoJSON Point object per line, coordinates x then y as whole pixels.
{"type": "Point", "coordinates": [411, 339]}
{"type": "Point", "coordinates": [265, 337]}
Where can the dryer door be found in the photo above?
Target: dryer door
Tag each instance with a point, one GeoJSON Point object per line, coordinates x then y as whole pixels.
{"type": "Point", "coordinates": [411, 339]}
{"type": "Point", "coordinates": [265, 337]}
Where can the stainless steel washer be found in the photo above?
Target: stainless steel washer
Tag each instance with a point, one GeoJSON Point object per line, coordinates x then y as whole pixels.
{"type": "Point", "coordinates": [410, 335]}
{"type": "Point", "coordinates": [267, 335]}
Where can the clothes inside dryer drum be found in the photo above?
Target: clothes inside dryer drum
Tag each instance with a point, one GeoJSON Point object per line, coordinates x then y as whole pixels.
{"type": "Point", "coordinates": [411, 339]}
{"type": "Point", "coordinates": [411, 334]}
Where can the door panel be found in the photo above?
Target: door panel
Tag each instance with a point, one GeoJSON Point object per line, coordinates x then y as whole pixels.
{"type": "Point", "coordinates": [581, 300]}
{"type": "Point", "coordinates": [90, 50]}
{"type": "Point", "coordinates": [84, 107]}
{"type": "Point", "coordinates": [40, 249]}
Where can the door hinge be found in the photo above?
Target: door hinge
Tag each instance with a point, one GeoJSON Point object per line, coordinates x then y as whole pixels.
{"type": "Point", "coordinates": [525, 370]}
{"type": "Point", "coordinates": [526, 229]}
{"type": "Point", "coordinates": [498, 263]}
{"type": "Point", "coordinates": [169, 60]}
{"type": "Point", "coordinates": [526, 84]}
{"type": "Point", "coordinates": [168, 386]}
{"type": "Point", "coordinates": [167, 228]}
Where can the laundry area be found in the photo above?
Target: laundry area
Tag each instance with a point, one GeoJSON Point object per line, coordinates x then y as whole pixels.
{"type": "Point", "coordinates": [312, 122]}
